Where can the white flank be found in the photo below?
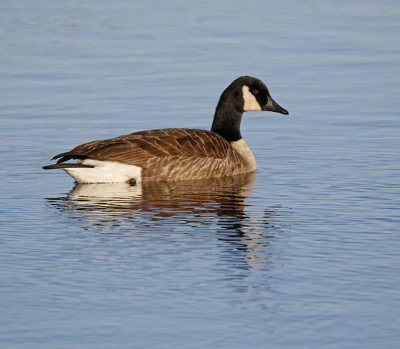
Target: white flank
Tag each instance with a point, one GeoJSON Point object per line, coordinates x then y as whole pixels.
{"type": "Point", "coordinates": [243, 149]}
{"type": "Point", "coordinates": [105, 172]}
{"type": "Point", "coordinates": [250, 101]}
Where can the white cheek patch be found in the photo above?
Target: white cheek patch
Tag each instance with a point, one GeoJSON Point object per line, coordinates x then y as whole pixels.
{"type": "Point", "coordinates": [250, 101]}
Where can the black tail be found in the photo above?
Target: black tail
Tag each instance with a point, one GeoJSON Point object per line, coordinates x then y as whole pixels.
{"type": "Point", "coordinates": [54, 166]}
{"type": "Point", "coordinates": [68, 156]}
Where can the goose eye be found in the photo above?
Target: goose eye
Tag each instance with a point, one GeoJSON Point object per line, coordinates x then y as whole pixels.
{"type": "Point", "coordinates": [255, 92]}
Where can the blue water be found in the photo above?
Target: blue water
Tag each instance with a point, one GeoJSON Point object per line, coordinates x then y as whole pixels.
{"type": "Point", "coordinates": [303, 255]}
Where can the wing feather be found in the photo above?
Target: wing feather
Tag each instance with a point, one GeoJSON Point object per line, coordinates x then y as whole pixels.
{"type": "Point", "coordinates": [140, 147]}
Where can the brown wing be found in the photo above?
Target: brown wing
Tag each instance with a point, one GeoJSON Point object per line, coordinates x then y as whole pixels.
{"type": "Point", "coordinates": [140, 147]}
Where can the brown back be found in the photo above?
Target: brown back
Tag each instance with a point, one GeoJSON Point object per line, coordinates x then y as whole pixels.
{"type": "Point", "coordinates": [175, 153]}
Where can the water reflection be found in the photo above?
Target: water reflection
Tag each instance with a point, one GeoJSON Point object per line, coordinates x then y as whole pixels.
{"type": "Point", "coordinates": [222, 196]}
{"type": "Point", "coordinates": [216, 206]}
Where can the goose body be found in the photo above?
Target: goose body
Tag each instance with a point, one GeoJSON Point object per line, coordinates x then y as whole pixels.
{"type": "Point", "coordinates": [175, 153]}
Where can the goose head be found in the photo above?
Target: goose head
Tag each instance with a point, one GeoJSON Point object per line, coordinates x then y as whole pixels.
{"type": "Point", "coordinates": [256, 96]}
{"type": "Point", "coordinates": [243, 94]}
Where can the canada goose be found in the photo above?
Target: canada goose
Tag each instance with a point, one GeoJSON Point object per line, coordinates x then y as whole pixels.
{"type": "Point", "coordinates": [176, 153]}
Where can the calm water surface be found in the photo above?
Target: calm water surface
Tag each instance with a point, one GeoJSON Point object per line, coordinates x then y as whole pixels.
{"type": "Point", "coordinates": [304, 254]}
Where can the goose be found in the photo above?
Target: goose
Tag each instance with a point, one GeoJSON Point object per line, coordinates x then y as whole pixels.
{"type": "Point", "coordinates": [176, 153]}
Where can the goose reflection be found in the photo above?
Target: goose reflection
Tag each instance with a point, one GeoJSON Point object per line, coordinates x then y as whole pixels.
{"type": "Point", "coordinates": [221, 196]}
{"type": "Point", "coordinates": [201, 206]}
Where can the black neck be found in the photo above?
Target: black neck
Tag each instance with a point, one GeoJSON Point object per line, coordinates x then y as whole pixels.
{"type": "Point", "coordinates": [227, 120]}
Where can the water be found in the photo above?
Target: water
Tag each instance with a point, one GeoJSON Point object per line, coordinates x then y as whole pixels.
{"type": "Point", "coordinates": [304, 254]}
